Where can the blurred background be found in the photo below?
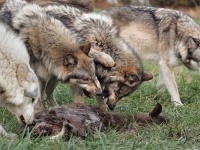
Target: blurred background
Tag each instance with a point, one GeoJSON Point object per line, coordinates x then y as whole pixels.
{"type": "Point", "coordinates": [192, 7]}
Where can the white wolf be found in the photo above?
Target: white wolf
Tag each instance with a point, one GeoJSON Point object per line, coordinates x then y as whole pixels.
{"type": "Point", "coordinates": [19, 87]}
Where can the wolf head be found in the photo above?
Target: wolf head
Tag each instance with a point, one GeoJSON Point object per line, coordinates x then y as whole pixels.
{"type": "Point", "coordinates": [193, 57]}
{"type": "Point", "coordinates": [116, 90]}
{"type": "Point", "coordinates": [184, 35]}
{"type": "Point", "coordinates": [189, 41]}
{"type": "Point", "coordinates": [124, 78]}
{"type": "Point", "coordinates": [57, 48]}
{"type": "Point", "coordinates": [82, 71]}
{"type": "Point", "coordinates": [27, 93]}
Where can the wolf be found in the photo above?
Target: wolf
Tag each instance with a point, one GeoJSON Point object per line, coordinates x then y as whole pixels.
{"type": "Point", "coordinates": [54, 50]}
{"type": "Point", "coordinates": [166, 36]}
{"type": "Point", "coordinates": [19, 86]}
{"type": "Point", "coordinates": [118, 81]}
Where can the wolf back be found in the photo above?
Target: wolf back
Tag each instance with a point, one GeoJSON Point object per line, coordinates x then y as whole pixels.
{"type": "Point", "coordinates": [166, 36]}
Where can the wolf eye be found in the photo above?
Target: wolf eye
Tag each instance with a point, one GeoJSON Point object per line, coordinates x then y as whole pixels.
{"type": "Point", "coordinates": [99, 44]}
{"type": "Point", "coordinates": [33, 100]}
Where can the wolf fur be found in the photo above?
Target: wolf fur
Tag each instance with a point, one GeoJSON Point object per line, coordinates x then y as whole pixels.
{"type": "Point", "coordinates": [19, 86]}
{"type": "Point", "coordinates": [54, 50]}
{"type": "Point", "coordinates": [99, 30]}
{"type": "Point", "coordinates": [166, 36]}
{"type": "Point", "coordinates": [85, 5]}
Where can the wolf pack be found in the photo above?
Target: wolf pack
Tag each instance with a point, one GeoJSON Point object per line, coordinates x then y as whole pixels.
{"type": "Point", "coordinates": [96, 54]}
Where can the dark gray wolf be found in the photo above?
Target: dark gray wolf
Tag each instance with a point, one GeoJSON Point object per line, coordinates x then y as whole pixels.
{"type": "Point", "coordinates": [53, 49]}
{"type": "Point", "coordinates": [118, 81]}
{"type": "Point", "coordinates": [166, 36]}
{"type": "Point", "coordinates": [19, 86]}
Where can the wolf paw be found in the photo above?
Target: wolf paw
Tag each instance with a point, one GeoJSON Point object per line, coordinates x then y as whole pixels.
{"type": "Point", "coordinates": [177, 103]}
{"type": "Point", "coordinates": [11, 136]}
{"type": "Point", "coordinates": [109, 63]}
{"type": "Point", "coordinates": [103, 58]}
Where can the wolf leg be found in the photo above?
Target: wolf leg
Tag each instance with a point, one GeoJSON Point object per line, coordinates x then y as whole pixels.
{"type": "Point", "coordinates": [101, 103]}
{"type": "Point", "coordinates": [2, 131]}
{"type": "Point", "coordinates": [40, 104]}
{"type": "Point", "coordinates": [161, 83]}
{"type": "Point", "coordinates": [167, 38]}
{"type": "Point", "coordinates": [77, 94]}
{"type": "Point", "coordinates": [168, 76]}
{"type": "Point", "coordinates": [51, 85]}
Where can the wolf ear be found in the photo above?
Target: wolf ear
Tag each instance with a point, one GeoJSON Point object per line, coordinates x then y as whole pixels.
{"type": "Point", "coordinates": [102, 58]}
{"type": "Point", "coordinates": [22, 73]}
{"type": "Point", "coordinates": [147, 76]}
{"type": "Point", "coordinates": [70, 61]}
{"type": "Point", "coordinates": [192, 45]}
{"type": "Point", "coordinates": [86, 47]}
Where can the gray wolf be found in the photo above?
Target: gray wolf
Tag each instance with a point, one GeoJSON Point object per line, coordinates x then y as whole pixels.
{"type": "Point", "coordinates": [53, 49]}
{"type": "Point", "coordinates": [166, 36]}
{"type": "Point", "coordinates": [19, 86]}
{"type": "Point", "coordinates": [122, 79]}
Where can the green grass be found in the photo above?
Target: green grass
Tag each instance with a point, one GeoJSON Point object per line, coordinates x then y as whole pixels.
{"type": "Point", "coordinates": [97, 9]}
{"type": "Point", "coordinates": [198, 21]}
{"type": "Point", "coordinates": [182, 132]}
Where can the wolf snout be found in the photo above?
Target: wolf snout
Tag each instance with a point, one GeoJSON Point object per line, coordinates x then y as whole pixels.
{"type": "Point", "coordinates": [26, 119]}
